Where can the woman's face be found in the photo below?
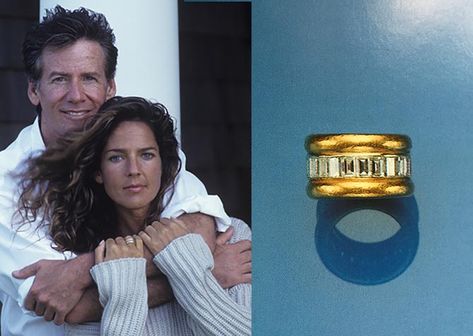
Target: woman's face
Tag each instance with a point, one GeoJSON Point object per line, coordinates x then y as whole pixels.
{"type": "Point", "coordinates": [130, 167]}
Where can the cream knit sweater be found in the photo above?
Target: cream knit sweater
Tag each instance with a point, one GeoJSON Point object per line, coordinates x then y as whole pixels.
{"type": "Point", "coordinates": [202, 307]}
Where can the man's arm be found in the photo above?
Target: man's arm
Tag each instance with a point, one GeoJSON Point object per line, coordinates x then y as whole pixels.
{"type": "Point", "coordinates": [187, 261]}
{"type": "Point", "coordinates": [232, 262]}
{"type": "Point", "coordinates": [189, 195]}
{"type": "Point", "coordinates": [229, 270]}
{"type": "Point", "coordinates": [89, 309]}
{"type": "Point", "coordinates": [203, 225]}
{"type": "Point", "coordinates": [58, 285]}
{"type": "Point", "coordinates": [62, 289]}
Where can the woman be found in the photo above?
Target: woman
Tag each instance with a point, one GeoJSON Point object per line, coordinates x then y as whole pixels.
{"type": "Point", "coordinates": [109, 181]}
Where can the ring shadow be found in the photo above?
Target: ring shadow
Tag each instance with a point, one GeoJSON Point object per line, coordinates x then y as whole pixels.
{"type": "Point", "coordinates": [367, 263]}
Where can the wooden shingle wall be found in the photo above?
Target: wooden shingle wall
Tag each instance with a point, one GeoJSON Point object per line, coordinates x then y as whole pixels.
{"type": "Point", "coordinates": [16, 17]}
{"type": "Point", "coordinates": [215, 67]}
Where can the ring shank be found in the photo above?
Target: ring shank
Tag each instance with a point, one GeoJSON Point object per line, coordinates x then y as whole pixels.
{"type": "Point", "coordinates": [330, 144]}
{"type": "Point", "coordinates": [360, 187]}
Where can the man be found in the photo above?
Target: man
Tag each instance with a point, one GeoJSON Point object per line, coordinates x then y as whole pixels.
{"type": "Point", "coordinates": [70, 60]}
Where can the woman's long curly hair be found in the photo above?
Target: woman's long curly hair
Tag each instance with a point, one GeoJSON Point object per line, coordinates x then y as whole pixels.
{"type": "Point", "coordinates": [59, 188]}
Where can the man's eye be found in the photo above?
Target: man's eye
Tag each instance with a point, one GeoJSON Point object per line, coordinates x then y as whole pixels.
{"type": "Point", "coordinates": [59, 79]}
{"type": "Point", "coordinates": [90, 78]}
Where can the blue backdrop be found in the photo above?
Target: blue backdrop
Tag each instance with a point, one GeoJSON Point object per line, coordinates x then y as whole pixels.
{"type": "Point", "coordinates": [362, 66]}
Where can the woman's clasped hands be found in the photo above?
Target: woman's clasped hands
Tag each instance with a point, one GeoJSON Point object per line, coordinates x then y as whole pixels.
{"type": "Point", "coordinates": [128, 247]}
{"type": "Point", "coordinates": [159, 234]}
{"type": "Point", "coordinates": [155, 236]}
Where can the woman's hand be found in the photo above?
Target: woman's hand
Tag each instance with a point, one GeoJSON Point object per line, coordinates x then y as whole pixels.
{"type": "Point", "coordinates": [128, 247]}
{"type": "Point", "coordinates": [159, 234]}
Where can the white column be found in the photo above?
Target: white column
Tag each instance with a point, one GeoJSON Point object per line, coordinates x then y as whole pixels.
{"type": "Point", "coordinates": [146, 34]}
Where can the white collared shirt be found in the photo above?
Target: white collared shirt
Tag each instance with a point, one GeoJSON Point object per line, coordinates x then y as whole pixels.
{"type": "Point", "coordinates": [26, 246]}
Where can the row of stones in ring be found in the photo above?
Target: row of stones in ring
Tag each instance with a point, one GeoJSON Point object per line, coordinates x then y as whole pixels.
{"type": "Point", "coordinates": [358, 166]}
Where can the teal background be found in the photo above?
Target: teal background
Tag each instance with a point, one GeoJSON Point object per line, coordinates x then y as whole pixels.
{"type": "Point", "coordinates": [362, 66]}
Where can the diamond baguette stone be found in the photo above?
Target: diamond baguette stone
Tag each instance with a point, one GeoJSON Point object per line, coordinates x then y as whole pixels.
{"type": "Point", "coordinates": [386, 166]}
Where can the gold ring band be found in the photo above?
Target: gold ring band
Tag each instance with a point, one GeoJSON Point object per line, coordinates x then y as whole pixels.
{"type": "Point", "coordinates": [358, 165]}
{"type": "Point", "coordinates": [330, 144]}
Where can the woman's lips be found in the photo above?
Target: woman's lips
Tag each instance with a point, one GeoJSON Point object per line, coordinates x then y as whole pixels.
{"type": "Point", "coordinates": [134, 187]}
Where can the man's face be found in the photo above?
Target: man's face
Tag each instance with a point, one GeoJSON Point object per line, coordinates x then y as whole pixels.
{"type": "Point", "coordinates": [72, 87]}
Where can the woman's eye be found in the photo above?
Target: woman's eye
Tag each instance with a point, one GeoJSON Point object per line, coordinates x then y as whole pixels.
{"type": "Point", "coordinates": [147, 156]}
{"type": "Point", "coordinates": [115, 158]}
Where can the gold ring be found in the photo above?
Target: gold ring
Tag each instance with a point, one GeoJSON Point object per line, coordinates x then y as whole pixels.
{"type": "Point", "coordinates": [129, 240]}
{"type": "Point", "coordinates": [358, 165]}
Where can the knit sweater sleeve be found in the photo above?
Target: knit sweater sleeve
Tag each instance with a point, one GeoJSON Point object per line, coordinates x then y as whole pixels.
{"type": "Point", "coordinates": [187, 262]}
{"type": "Point", "coordinates": [124, 296]}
